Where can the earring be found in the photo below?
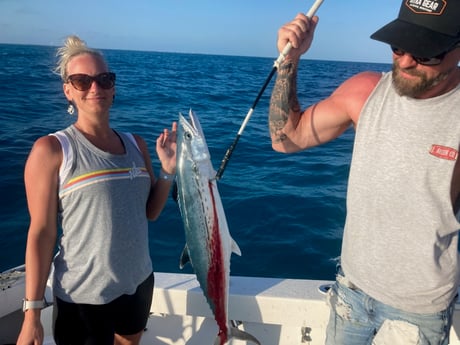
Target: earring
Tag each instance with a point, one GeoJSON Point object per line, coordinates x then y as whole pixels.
{"type": "Point", "coordinates": [71, 108]}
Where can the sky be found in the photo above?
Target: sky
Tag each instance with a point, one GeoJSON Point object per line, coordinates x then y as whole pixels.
{"type": "Point", "coordinates": [223, 27]}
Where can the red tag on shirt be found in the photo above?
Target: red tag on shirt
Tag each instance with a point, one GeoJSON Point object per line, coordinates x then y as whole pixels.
{"type": "Point", "coordinates": [444, 152]}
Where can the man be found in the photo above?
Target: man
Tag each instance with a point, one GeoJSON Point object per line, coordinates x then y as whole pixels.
{"type": "Point", "coordinates": [399, 264]}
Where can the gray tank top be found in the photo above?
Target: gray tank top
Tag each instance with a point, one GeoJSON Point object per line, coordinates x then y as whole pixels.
{"type": "Point", "coordinates": [401, 233]}
{"type": "Point", "coordinates": [103, 250]}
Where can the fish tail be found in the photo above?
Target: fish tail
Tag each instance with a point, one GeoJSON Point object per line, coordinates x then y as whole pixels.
{"type": "Point", "coordinates": [238, 334]}
{"type": "Point", "coordinates": [242, 335]}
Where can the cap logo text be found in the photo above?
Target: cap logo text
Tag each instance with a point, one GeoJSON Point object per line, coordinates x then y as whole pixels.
{"type": "Point", "coordinates": [434, 7]}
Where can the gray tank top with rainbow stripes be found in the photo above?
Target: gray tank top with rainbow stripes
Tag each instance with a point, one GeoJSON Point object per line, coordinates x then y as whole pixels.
{"type": "Point", "coordinates": [401, 233]}
{"type": "Point", "coordinates": [103, 249]}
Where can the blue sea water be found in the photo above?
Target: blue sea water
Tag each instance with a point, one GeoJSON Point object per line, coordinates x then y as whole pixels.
{"type": "Point", "coordinates": [286, 212]}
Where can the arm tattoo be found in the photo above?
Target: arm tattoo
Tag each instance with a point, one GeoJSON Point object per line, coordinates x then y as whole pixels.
{"type": "Point", "coordinates": [283, 100]}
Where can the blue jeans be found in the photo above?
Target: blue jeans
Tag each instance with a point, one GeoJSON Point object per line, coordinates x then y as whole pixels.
{"type": "Point", "coordinates": [356, 318]}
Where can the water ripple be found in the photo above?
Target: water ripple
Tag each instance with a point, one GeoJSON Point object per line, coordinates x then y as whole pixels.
{"type": "Point", "coordinates": [285, 211]}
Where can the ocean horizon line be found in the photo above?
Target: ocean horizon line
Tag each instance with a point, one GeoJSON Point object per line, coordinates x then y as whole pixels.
{"type": "Point", "coordinates": [273, 58]}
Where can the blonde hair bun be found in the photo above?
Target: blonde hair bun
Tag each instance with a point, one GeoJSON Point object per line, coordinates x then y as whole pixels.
{"type": "Point", "coordinates": [72, 47]}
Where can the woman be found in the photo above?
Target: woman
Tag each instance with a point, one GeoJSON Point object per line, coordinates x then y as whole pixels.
{"type": "Point", "coordinates": [99, 185]}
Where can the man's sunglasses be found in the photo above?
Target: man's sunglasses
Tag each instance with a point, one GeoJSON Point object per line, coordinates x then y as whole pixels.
{"type": "Point", "coordinates": [83, 82]}
{"type": "Point", "coordinates": [432, 61]}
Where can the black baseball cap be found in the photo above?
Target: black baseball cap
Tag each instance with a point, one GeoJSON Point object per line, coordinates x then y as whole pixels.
{"type": "Point", "coordinates": [424, 28]}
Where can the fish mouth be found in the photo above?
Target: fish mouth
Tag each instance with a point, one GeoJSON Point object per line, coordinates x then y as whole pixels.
{"type": "Point", "coordinates": [192, 125]}
{"type": "Point", "coordinates": [191, 140]}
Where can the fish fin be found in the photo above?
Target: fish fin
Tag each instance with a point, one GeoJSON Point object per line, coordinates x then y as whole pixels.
{"type": "Point", "coordinates": [242, 335]}
{"type": "Point", "coordinates": [235, 248]}
{"type": "Point", "coordinates": [184, 258]}
{"type": "Point", "coordinates": [175, 192]}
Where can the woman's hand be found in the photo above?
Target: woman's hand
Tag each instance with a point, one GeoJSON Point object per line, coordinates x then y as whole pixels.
{"type": "Point", "coordinates": [166, 149]}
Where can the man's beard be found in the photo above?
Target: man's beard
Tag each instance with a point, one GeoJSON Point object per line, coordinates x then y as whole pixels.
{"type": "Point", "coordinates": [412, 87]}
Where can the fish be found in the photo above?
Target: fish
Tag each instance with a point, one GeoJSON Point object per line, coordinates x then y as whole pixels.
{"type": "Point", "coordinates": [209, 244]}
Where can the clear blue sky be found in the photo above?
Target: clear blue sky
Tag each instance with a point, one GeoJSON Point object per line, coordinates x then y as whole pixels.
{"type": "Point", "coordinates": [229, 27]}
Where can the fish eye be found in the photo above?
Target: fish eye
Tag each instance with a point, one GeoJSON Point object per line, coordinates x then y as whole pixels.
{"type": "Point", "coordinates": [188, 136]}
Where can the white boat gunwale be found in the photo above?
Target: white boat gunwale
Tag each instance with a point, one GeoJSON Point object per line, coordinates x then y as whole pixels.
{"type": "Point", "coordinates": [275, 310]}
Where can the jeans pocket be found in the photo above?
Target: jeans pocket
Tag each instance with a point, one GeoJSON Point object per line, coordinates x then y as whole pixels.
{"type": "Point", "coordinates": [396, 332]}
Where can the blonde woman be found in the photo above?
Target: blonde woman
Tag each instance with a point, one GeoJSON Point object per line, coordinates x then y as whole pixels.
{"type": "Point", "coordinates": [97, 185]}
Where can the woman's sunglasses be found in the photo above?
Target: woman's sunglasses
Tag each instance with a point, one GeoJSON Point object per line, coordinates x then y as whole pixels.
{"type": "Point", "coordinates": [436, 60]}
{"type": "Point", "coordinates": [83, 82]}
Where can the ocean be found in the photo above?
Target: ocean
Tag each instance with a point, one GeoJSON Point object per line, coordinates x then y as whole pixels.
{"type": "Point", "coordinates": [286, 212]}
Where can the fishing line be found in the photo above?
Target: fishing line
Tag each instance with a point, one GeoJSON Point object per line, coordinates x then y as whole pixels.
{"type": "Point", "coordinates": [276, 65]}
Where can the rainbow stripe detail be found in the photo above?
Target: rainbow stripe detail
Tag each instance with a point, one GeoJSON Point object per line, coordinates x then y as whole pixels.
{"type": "Point", "coordinates": [98, 176]}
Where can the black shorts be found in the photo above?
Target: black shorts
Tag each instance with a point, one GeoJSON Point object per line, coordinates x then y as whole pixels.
{"type": "Point", "coordinates": [88, 324]}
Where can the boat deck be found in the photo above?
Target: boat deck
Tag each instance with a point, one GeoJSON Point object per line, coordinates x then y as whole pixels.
{"type": "Point", "coordinates": [276, 311]}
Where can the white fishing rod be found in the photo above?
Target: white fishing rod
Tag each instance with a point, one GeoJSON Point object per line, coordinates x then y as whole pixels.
{"type": "Point", "coordinates": [276, 65]}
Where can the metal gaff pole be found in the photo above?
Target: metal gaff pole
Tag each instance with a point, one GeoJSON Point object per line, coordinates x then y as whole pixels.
{"type": "Point", "coordinates": [276, 65]}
